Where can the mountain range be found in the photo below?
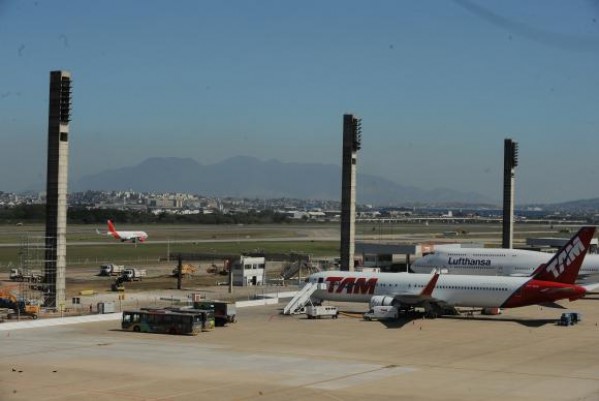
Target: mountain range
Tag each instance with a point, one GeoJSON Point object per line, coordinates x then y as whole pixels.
{"type": "Point", "coordinates": [243, 176]}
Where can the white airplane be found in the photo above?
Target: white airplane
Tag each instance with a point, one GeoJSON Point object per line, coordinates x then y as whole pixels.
{"type": "Point", "coordinates": [438, 293]}
{"type": "Point", "coordinates": [133, 236]}
{"type": "Point", "coordinates": [492, 262]}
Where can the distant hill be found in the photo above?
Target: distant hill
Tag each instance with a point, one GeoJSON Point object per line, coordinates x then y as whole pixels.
{"type": "Point", "coordinates": [243, 176]}
{"type": "Point", "coordinates": [582, 205]}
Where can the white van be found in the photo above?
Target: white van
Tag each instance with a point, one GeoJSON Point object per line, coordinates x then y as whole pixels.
{"type": "Point", "coordinates": [382, 313]}
{"type": "Point", "coordinates": [318, 311]}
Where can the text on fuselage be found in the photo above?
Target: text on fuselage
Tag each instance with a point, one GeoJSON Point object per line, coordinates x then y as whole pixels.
{"type": "Point", "coordinates": [351, 285]}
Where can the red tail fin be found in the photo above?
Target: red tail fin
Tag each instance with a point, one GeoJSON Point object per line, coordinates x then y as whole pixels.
{"type": "Point", "coordinates": [565, 264]}
{"type": "Point", "coordinates": [112, 230]}
{"type": "Point", "coordinates": [428, 290]}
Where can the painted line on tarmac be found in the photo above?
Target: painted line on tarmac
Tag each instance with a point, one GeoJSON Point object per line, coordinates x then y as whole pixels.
{"type": "Point", "coordinates": [59, 321]}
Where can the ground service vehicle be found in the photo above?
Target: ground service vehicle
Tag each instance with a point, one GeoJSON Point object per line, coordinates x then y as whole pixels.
{"type": "Point", "coordinates": [32, 276]}
{"type": "Point", "coordinates": [224, 312]}
{"type": "Point", "coordinates": [164, 321]}
{"type": "Point", "coordinates": [133, 274]}
{"type": "Point", "coordinates": [111, 269]}
{"type": "Point", "coordinates": [382, 313]}
{"type": "Point", "coordinates": [569, 319]}
{"type": "Point", "coordinates": [318, 311]}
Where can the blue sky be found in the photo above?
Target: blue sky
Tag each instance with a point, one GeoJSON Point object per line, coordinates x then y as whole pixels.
{"type": "Point", "coordinates": [438, 84]}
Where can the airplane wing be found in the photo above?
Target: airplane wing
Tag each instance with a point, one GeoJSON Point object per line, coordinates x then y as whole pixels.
{"type": "Point", "coordinates": [425, 296]}
{"type": "Point", "coordinates": [553, 305]}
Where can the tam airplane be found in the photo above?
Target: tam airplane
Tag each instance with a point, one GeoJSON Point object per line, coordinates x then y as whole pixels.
{"type": "Point", "coordinates": [493, 262]}
{"type": "Point", "coordinates": [438, 293]}
{"type": "Point", "coordinates": [133, 236]}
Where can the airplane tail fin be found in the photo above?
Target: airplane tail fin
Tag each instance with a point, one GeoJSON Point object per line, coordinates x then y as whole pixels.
{"type": "Point", "coordinates": [563, 267]}
{"type": "Point", "coordinates": [428, 290]}
{"type": "Point", "coordinates": [112, 230]}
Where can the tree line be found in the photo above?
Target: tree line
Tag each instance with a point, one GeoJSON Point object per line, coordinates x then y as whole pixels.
{"type": "Point", "coordinates": [80, 215]}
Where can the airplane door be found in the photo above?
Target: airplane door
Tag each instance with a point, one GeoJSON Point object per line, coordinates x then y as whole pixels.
{"type": "Point", "coordinates": [500, 270]}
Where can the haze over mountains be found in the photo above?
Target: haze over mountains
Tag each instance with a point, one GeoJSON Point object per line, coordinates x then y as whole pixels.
{"type": "Point", "coordinates": [244, 176]}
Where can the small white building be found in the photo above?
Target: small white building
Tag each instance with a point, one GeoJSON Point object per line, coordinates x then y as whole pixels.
{"type": "Point", "coordinates": [249, 270]}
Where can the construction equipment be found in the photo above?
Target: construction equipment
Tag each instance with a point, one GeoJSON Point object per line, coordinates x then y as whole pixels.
{"type": "Point", "coordinates": [131, 274]}
{"type": "Point", "coordinates": [31, 276]}
{"type": "Point", "coordinates": [128, 274]}
{"type": "Point", "coordinates": [186, 270]}
{"type": "Point", "coordinates": [20, 307]}
{"type": "Point", "coordinates": [214, 269]}
{"type": "Point", "coordinates": [110, 269]}
{"type": "Point", "coordinates": [118, 284]}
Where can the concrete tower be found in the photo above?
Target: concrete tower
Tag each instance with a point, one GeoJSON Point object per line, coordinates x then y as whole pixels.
{"type": "Point", "coordinates": [510, 161]}
{"type": "Point", "coordinates": [352, 142]}
{"type": "Point", "coordinates": [56, 188]}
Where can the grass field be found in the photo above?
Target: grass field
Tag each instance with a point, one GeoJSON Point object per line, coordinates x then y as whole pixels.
{"type": "Point", "coordinates": [86, 248]}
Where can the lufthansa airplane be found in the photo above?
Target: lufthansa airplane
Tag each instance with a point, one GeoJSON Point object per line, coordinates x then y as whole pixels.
{"type": "Point", "coordinates": [493, 262]}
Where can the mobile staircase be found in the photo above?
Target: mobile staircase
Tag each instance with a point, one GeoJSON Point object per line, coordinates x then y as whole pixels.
{"type": "Point", "coordinates": [302, 298]}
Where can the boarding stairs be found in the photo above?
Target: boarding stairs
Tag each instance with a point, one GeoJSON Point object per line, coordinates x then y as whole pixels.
{"type": "Point", "coordinates": [301, 299]}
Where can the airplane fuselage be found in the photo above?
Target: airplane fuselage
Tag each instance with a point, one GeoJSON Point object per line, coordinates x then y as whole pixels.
{"type": "Point", "coordinates": [131, 235]}
{"type": "Point", "coordinates": [492, 262]}
{"type": "Point", "coordinates": [454, 290]}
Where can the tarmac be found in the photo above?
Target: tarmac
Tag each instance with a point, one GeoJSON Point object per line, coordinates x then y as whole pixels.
{"type": "Point", "coordinates": [520, 355]}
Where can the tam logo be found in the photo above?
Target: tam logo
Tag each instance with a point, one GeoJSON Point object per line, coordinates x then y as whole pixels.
{"type": "Point", "coordinates": [565, 258]}
{"type": "Point", "coordinates": [351, 285]}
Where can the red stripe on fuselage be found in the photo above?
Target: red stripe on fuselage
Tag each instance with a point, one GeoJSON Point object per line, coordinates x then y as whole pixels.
{"type": "Point", "coordinates": [538, 292]}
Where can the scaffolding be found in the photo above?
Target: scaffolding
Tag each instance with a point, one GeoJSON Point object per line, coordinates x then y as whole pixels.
{"type": "Point", "coordinates": [33, 259]}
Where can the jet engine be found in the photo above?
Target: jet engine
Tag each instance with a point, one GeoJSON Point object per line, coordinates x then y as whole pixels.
{"type": "Point", "coordinates": [381, 300]}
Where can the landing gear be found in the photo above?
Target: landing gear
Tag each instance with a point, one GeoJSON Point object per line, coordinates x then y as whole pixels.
{"type": "Point", "coordinates": [433, 311]}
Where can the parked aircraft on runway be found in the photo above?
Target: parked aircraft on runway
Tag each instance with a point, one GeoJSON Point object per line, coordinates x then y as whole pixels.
{"type": "Point", "coordinates": [492, 262]}
{"type": "Point", "coordinates": [133, 236]}
{"type": "Point", "coordinates": [439, 293]}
